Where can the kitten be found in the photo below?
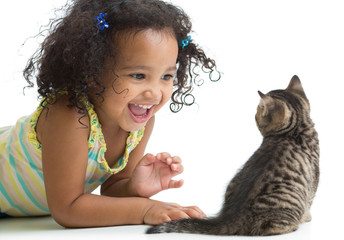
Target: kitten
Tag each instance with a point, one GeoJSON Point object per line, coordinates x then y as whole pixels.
{"type": "Point", "coordinates": [273, 192]}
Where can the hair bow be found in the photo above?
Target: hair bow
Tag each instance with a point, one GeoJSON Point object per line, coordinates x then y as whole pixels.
{"type": "Point", "coordinates": [101, 21]}
{"type": "Point", "coordinates": [185, 42]}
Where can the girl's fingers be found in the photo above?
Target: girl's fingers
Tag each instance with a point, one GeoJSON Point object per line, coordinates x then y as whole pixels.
{"type": "Point", "coordinates": [166, 158]}
{"type": "Point", "coordinates": [148, 159]}
{"type": "Point", "coordinates": [179, 168]}
{"type": "Point", "coordinates": [187, 212]}
{"type": "Point", "coordinates": [199, 211]}
{"type": "Point", "coordinates": [163, 156]}
{"type": "Point", "coordinates": [195, 212]}
{"type": "Point", "coordinates": [175, 183]}
{"type": "Point", "coordinates": [176, 159]}
{"type": "Point", "coordinates": [179, 214]}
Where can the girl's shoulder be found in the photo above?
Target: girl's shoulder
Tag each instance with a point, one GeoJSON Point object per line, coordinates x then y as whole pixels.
{"type": "Point", "coordinates": [59, 116]}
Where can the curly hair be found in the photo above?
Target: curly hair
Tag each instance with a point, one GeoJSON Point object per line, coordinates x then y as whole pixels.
{"type": "Point", "coordinates": [76, 49]}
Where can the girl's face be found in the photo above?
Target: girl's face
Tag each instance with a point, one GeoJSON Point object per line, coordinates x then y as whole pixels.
{"type": "Point", "coordinates": [141, 81]}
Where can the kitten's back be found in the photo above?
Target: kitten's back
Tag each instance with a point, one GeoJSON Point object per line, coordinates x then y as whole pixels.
{"type": "Point", "coordinates": [274, 190]}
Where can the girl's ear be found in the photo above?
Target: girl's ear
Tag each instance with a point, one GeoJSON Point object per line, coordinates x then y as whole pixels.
{"type": "Point", "coordinates": [295, 86]}
{"type": "Point", "coordinates": [267, 103]}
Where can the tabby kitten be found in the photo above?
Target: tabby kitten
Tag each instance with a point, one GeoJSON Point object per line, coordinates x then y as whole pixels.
{"type": "Point", "coordinates": [273, 192]}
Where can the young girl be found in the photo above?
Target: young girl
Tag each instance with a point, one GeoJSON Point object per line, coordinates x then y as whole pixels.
{"type": "Point", "coordinates": [102, 73]}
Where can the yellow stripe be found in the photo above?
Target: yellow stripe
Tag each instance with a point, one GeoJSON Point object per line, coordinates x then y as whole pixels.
{"type": "Point", "coordinates": [2, 147]}
{"type": "Point", "coordinates": [17, 190]}
{"type": "Point", "coordinates": [5, 206]}
{"type": "Point", "coordinates": [30, 172]}
{"type": "Point", "coordinates": [91, 169]}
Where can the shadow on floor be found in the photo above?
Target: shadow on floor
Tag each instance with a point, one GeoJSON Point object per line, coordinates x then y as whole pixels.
{"type": "Point", "coordinates": [8, 225]}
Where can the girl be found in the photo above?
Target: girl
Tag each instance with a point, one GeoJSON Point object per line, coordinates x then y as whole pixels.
{"type": "Point", "coordinates": [102, 73]}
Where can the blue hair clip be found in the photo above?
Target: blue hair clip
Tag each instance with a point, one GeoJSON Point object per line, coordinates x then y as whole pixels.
{"type": "Point", "coordinates": [101, 21]}
{"type": "Point", "coordinates": [185, 42]}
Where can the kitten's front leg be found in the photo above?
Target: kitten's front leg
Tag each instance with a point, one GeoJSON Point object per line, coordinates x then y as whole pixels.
{"type": "Point", "coordinates": [307, 217]}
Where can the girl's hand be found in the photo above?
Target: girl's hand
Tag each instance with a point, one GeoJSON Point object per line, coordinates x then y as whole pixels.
{"type": "Point", "coordinates": [154, 174]}
{"type": "Point", "coordinates": [161, 212]}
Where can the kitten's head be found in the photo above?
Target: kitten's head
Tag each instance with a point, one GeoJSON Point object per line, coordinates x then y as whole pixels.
{"type": "Point", "coordinates": [281, 110]}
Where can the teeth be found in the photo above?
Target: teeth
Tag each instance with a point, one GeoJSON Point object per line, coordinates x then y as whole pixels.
{"type": "Point", "coordinates": [144, 106]}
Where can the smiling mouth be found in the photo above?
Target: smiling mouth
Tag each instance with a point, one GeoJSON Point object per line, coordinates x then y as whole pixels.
{"type": "Point", "coordinates": [140, 113]}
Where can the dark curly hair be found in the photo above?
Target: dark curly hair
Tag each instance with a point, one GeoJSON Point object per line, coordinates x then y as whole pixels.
{"type": "Point", "coordinates": [76, 49]}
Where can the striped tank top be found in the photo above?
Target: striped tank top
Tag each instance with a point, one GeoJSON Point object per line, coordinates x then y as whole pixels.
{"type": "Point", "coordinates": [22, 191]}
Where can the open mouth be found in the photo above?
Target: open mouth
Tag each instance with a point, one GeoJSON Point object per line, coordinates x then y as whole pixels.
{"type": "Point", "coordinates": [140, 113]}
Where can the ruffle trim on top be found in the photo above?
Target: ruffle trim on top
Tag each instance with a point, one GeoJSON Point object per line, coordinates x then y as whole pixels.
{"type": "Point", "coordinates": [31, 135]}
{"type": "Point", "coordinates": [96, 135]}
{"type": "Point", "coordinates": [132, 141]}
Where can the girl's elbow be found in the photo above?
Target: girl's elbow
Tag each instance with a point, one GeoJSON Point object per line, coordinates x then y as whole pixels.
{"type": "Point", "coordinates": [64, 217]}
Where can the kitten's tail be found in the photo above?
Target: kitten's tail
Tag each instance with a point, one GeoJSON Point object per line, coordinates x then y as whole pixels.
{"type": "Point", "coordinates": [211, 226]}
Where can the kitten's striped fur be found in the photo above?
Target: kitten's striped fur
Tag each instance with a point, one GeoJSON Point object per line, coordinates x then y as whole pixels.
{"type": "Point", "coordinates": [273, 192]}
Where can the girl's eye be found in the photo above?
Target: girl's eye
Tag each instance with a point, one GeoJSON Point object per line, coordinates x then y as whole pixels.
{"type": "Point", "coordinates": [167, 77]}
{"type": "Point", "coordinates": [138, 76]}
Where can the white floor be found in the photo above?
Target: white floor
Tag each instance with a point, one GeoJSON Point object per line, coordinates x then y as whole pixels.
{"type": "Point", "coordinates": [327, 223]}
{"type": "Point", "coordinates": [46, 228]}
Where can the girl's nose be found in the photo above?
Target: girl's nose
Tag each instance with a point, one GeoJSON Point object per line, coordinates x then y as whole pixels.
{"type": "Point", "coordinates": [153, 91]}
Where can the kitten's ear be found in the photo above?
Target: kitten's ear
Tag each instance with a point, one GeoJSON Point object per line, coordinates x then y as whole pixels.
{"type": "Point", "coordinates": [295, 86]}
{"type": "Point", "coordinates": [266, 102]}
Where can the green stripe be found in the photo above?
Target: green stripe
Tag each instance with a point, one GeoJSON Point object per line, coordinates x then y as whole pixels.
{"type": "Point", "coordinates": [92, 156]}
{"type": "Point", "coordinates": [21, 181]}
{"type": "Point", "coordinates": [27, 155]}
{"type": "Point", "coordinates": [8, 198]}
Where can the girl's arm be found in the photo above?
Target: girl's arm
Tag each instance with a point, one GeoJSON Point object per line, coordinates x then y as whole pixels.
{"type": "Point", "coordinates": [64, 156]}
{"type": "Point", "coordinates": [146, 175]}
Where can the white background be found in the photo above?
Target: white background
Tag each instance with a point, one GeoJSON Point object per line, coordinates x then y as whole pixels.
{"type": "Point", "coordinates": [258, 45]}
